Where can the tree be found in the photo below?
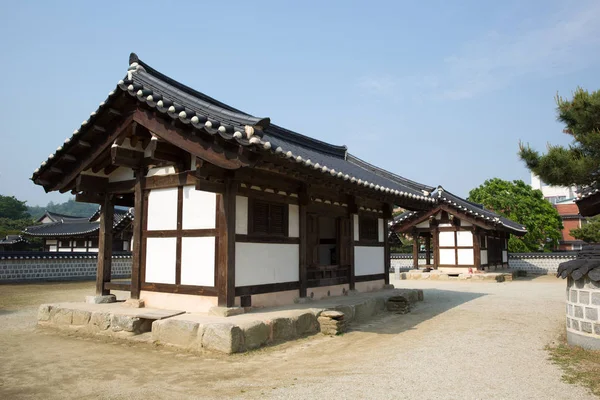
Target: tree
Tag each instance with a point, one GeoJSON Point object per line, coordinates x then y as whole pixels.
{"type": "Point", "coordinates": [589, 232]}
{"type": "Point", "coordinates": [517, 201]}
{"type": "Point", "coordinates": [12, 208]}
{"type": "Point", "coordinates": [579, 163]}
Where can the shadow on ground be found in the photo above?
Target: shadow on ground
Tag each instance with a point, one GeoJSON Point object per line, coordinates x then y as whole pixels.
{"type": "Point", "coordinates": [435, 302]}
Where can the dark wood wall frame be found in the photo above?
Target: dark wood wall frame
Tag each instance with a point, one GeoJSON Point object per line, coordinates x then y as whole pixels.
{"type": "Point", "coordinates": [372, 277]}
{"type": "Point", "coordinates": [266, 288]}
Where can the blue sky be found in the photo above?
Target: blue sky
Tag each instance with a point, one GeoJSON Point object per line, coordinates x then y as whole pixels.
{"type": "Point", "coordinates": [440, 92]}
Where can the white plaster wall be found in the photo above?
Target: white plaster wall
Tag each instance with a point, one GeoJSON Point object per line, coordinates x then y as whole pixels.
{"type": "Point", "coordinates": [162, 209]}
{"type": "Point", "coordinates": [466, 257]}
{"type": "Point", "coordinates": [356, 232]}
{"type": "Point", "coordinates": [368, 260]}
{"type": "Point", "coordinates": [53, 248]}
{"type": "Point", "coordinates": [262, 263]}
{"type": "Point", "coordinates": [464, 238]}
{"type": "Point", "coordinates": [241, 215]}
{"type": "Point", "coordinates": [294, 220]}
{"type": "Point", "coordinates": [46, 220]}
{"type": "Point", "coordinates": [198, 261]}
{"type": "Point", "coordinates": [447, 257]}
{"type": "Point", "coordinates": [484, 259]}
{"type": "Point", "coordinates": [160, 260]}
{"type": "Point", "coordinates": [447, 238]}
{"type": "Point", "coordinates": [199, 209]}
{"type": "Point", "coordinates": [51, 241]}
{"type": "Point", "coordinates": [380, 230]}
{"type": "Point", "coordinates": [424, 224]}
{"type": "Point", "coordinates": [465, 223]}
{"type": "Point", "coordinates": [504, 256]}
{"type": "Point", "coordinates": [161, 171]}
{"type": "Point", "coordinates": [121, 174]}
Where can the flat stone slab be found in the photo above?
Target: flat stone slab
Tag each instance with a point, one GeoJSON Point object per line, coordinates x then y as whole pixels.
{"type": "Point", "coordinates": [440, 275]}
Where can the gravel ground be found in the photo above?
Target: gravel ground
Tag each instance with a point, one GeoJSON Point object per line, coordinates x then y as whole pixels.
{"type": "Point", "coordinates": [465, 341]}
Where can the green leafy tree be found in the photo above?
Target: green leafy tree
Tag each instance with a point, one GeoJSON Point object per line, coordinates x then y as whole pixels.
{"type": "Point", "coordinates": [12, 208]}
{"type": "Point", "coordinates": [589, 231]}
{"type": "Point", "coordinates": [519, 202]}
{"type": "Point", "coordinates": [578, 163]}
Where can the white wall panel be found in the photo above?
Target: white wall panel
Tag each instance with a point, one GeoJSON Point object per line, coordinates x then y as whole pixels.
{"type": "Point", "coordinates": [198, 261]}
{"type": "Point", "coordinates": [504, 256]}
{"type": "Point", "coordinates": [160, 260]}
{"type": "Point", "coordinates": [241, 215]}
{"type": "Point", "coordinates": [447, 257]}
{"type": "Point", "coordinates": [121, 174]}
{"type": "Point", "coordinates": [199, 208]}
{"type": "Point", "coordinates": [465, 223]}
{"type": "Point", "coordinates": [261, 263]}
{"type": "Point", "coordinates": [368, 260]}
{"type": "Point", "coordinates": [447, 238]}
{"type": "Point", "coordinates": [356, 232]}
{"type": "Point", "coordinates": [161, 171]}
{"type": "Point", "coordinates": [466, 257]}
{"type": "Point", "coordinates": [424, 224]}
{"type": "Point", "coordinates": [162, 209]}
{"type": "Point", "coordinates": [380, 229]}
{"type": "Point", "coordinates": [464, 238]}
{"type": "Point", "coordinates": [484, 259]}
{"type": "Point", "coordinates": [294, 220]}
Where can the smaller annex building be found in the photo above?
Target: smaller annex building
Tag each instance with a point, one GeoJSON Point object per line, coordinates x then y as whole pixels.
{"type": "Point", "coordinates": [67, 233]}
{"type": "Point", "coordinates": [458, 234]}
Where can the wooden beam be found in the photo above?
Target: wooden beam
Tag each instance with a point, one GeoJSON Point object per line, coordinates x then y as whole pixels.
{"type": "Point", "coordinates": [137, 256]}
{"type": "Point", "coordinates": [428, 249]}
{"type": "Point", "coordinates": [95, 198]}
{"type": "Point", "coordinates": [68, 157]}
{"type": "Point", "coordinates": [415, 251]}
{"type": "Point", "coordinates": [84, 163]}
{"type": "Point", "coordinates": [193, 144]}
{"type": "Point", "coordinates": [123, 157]}
{"type": "Point", "coordinates": [476, 248]}
{"type": "Point", "coordinates": [91, 184]}
{"type": "Point", "coordinates": [103, 274]}
{"type": "Point", "coordinates": [386, 251]}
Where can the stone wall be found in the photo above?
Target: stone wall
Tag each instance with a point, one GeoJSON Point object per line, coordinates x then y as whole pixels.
{"type": "Point", "coordinates": [47, 266]}
{"type": "Point", "coordinates": [533, 263]}
{"type": "Point", "coordinates": [583, 310]}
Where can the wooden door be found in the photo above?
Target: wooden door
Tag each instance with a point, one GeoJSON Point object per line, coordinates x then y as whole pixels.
{"type": "Point", "coordinates": [312, 240]}
{"type": "Point", "coordinates": [344, 241]}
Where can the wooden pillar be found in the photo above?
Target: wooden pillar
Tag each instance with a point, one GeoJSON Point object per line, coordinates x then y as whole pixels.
{"type": "Point", "coordinates": [303, 203]}
{"type": "Point", "coordinates": [352, 211]}
{"type": "Point", "coordinates": [107, 210]}
{"type": "Point", "coordinates": [415, 250]}
{"type": "Point", "coordinates": [476, 248]}
{"type": "Point", "coordinates": [386, 251]}
{"type": "Point", "coordinates": [428, 249]}
{"type": "Point", "coordinates": [138, 224]}
{"type": "Point", "coordinates": [435, 236]}
{"type": "Point", "coordinates": [226, 269]}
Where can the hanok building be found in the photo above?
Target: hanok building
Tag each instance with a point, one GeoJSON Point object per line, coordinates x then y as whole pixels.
{"type": "Point", "coordinates": [232, 208]}
{"type": "Point", "coordinates": [13, 243]}
{"type": "Point", "coordinates": [458, 234]}
{"type": "Point", "coordinates": [66, 233]}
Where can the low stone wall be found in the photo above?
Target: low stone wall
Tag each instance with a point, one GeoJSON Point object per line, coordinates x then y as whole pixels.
{"type": "Point", "coordinates": [583, 311]}
{"type": "Point", "coordinates": [533, 263]}
{"type": "Point", "coordinates": [52, 266]}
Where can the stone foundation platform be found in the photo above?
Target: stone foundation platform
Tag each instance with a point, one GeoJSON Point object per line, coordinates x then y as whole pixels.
{"type": "Point", "coordinates": [200, 332]}
{"type": "Point", "coordinates": [499, 276]}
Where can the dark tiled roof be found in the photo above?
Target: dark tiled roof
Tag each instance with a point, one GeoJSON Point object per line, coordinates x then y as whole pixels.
{"type": "Point", "coordinates": [205, 113]}
{"type": "Point", "coordinates": [56, 217]}
{"type": "Point", "coordinates": [474, 210]}
{"type": "Point", "coordinates": [587, 264]}
{"type": "Point", "coordinates": [79, 226]}
{"type": "Point", "coordinates": [12, 239]}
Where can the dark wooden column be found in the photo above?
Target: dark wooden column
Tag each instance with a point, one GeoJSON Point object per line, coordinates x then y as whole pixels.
{"type": "Point", "coordinates": [386, 251]}
{"type": "Point", "coordinates": [476, 248]}
{"type": "Point", "coordinates": [352, 210]}
{"type": "Point", "coordinates": [415, 236]}
{"type": "Point", "coordinates": [226, 269]}
{"type": "Point", "coordinates": [302, 277]}
{"type": "Point", "coordinates": [435, 236]}
{"type": "Point", "coordinates": [138, 224]}
{"type": "Point", "coordinates": [428, 249]}
{"type": "Point", "coordinates": [107, 211]}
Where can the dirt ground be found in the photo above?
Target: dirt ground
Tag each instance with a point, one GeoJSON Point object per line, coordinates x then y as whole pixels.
{"type": "Point", "coordinates": [465, 341]}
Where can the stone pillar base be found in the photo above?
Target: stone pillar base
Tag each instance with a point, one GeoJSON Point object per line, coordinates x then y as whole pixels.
{"type": "Point", "coordinates": [303, 300]}
{"type": "Point", "coordinates": [388, 287]}
{"type": "Point", "coordinates": [134, 303]}
{"type": "Point", "coordinates": [109, 298]}
{"type": "Point", "coordinates": [352, 292]}
{"type": "Point", "coordinates": [226, 311]}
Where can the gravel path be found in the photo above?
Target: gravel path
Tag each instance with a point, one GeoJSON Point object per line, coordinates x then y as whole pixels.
{"type": "Point", "coordinates": [465, 341]}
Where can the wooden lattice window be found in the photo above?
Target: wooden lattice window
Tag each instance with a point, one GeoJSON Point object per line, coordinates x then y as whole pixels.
{"type": "Point", "coordinates": [368, 228]}
{"type": "Point", "coordinates": [267, 218]}
{"type": "Point", "coordinates": [64, 244]}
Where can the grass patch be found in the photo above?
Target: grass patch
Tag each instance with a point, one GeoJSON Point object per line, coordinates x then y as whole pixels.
{"type": "Point", "coordinates": [581, 367]}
